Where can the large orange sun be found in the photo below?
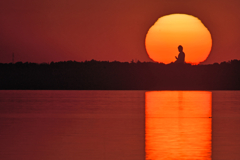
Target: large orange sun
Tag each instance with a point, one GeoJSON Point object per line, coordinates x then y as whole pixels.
{"type": "Point", "coordinates": [170, 31]}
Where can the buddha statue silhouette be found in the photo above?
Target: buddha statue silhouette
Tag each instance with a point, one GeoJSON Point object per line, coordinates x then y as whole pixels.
{"type": "Point", "coordinates": [181, 55]}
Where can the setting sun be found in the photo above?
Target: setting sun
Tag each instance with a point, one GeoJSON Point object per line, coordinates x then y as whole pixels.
{"type": "Point", "coordinates": [173, 30]}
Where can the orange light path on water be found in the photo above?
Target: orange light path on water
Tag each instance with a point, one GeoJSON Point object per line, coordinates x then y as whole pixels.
{"type": "Point", "coordinates": [170, 31]}
{"type": "Point", "coordinates": [177, 125]}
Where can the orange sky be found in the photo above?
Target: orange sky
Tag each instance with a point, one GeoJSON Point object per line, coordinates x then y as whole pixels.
{"type": "Point", "coordinates": [57, 30]}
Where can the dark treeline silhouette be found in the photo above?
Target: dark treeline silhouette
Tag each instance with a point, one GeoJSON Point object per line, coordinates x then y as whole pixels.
{"type": "Point", "coordinates": [115, 75]}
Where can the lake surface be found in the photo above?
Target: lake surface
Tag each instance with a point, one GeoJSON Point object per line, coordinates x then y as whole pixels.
{"type": "Point", "coordinates": [104, 125]}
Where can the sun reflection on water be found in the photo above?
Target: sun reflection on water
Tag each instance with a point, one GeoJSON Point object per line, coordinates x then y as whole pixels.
{"type": "Point", "coordinates": [178, 125]}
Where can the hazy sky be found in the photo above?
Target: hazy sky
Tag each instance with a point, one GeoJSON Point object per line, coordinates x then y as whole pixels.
{"type": "Point", "coordinates": [61, 30]}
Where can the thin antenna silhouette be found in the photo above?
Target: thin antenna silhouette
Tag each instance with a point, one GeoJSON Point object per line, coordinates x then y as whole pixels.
{"type": "Point", "coordinates": [13, 58]}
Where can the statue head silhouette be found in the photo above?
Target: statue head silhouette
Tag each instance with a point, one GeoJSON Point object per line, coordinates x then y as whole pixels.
{"type": "Point", "coordinates": [180, 48]}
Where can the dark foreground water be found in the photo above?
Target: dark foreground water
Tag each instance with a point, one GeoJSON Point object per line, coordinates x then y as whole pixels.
{"type": "Point", "coordinates": [106, 125]}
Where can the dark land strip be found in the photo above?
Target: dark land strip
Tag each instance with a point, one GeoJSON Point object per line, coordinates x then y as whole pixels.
{"type": "Point", "coordinates": [104, 75]}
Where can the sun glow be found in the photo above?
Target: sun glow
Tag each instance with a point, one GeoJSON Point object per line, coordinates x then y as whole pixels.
{"type": "Point", "coordinates": [173, 30]}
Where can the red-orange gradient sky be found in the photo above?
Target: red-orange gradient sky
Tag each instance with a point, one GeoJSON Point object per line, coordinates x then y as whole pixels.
{"type": "Point", "coordinates": [60, 30]}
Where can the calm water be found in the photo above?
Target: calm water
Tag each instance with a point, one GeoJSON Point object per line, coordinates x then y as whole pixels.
{"type": "Point", "coordinates": [104, 125]}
